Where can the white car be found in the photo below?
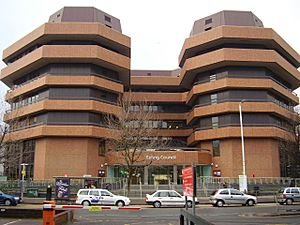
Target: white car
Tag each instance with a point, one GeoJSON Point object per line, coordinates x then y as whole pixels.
{"type": "Point", "coordinates": [168, 198]}
{"type": "Point", "coordinates": [88, 197]}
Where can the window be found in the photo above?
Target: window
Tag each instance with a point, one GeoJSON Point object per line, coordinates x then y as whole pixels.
{"type": "Point", "coordinates": [208, 21]}
{"type": "Point", "coordinates": [214, 98]}
{"type": "Point", "coordinates": [213, 77]}
{"type": "Point", "coordinates": [174, 194]}
{"type": "Point", "coordinates": [215, 122]}
{"type": "Point", "coordinates": [224, 192]}
{"type": "Point", "coordinates": [108, 19]}
{"type": "Point", "coordinates": [295, 191]}
{"type": "Point", "coordinates": [101, 148]}
{"type": "Point", "coordinates": [163, 194]}
{"type": "Point", "coordinates": [216, 147]}
{"type": "Point", "coordinates": [94, 192]}
{"type": "Point", "coordinates": [235, 192]}
{"type": "Point", "coordinates": [105, 193]}
{"type": "Point", "coordinates": [83, 193]}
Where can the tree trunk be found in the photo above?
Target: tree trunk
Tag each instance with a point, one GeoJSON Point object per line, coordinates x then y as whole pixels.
{"type": "Point", "coordinates": [130, 172]}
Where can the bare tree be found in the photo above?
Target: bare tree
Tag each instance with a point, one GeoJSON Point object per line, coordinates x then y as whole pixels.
{"type": "Point", "coordinates": [289, 148]}
{"type": "Point", "coordinates": [134, 131]}
{"type": "Point", "coordinates": [13, 152]}
{"type": "Point", "coordinates": [3, 128]}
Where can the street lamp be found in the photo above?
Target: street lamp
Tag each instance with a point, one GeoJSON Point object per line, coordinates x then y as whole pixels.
{"type": "Point", "coordinates": [243, 177]}
{"type": "Point", "coordinates": [23, 172]}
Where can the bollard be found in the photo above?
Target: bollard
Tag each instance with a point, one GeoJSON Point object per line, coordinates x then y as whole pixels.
{"type": "Point", "coordinates": [48, 213]}
{"type": "Point", "coordinates": [49, 193]}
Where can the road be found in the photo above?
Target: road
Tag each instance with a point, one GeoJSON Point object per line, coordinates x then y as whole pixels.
{"type": "Point", "coordinates": [260, 214]}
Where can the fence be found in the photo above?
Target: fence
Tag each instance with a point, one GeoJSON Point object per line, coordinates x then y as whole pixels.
{"type": "Point", "coordinates": [76, 183]}
{"type": "Point", "coordinates": [205, 185]}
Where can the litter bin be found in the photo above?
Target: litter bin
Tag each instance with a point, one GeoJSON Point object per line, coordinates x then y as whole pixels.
{"type": "Point", "coordinates": [32, 192]}
{"type": "Point", "coordinates": [256, 190]}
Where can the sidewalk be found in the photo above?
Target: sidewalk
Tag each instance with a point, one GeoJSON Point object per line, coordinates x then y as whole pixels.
{"type": "Point", "coordinates": [141, 201]}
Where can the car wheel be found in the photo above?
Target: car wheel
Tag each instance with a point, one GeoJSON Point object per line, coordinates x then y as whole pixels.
{"type": "Point", "coordinates": [7, 202]}
{"type": "Point", "coordinates": [120, 203]}
{"type": "Point", "coordinates": [250, 202]}
{"type": "Point", "coordinates": [86, 203]}
{"type": "Point", "coordinates": [157, 204]}
{"type": "Point", "coordinates": [220, 203]}
{"type": "Point", "coordinates": [189, 204]}
{"type": "Point", "coordinates": [289, 201]}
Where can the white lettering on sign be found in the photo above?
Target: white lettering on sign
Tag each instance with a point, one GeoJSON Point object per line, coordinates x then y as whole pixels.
{"type": "Point", "coordinates": [160, 157]}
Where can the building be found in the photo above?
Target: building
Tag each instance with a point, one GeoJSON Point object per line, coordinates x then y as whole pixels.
{"type": "Point", "coordinates": [66, 74]}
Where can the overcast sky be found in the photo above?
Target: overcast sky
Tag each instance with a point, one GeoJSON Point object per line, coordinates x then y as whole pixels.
{"type": "Point", "coordinates": [157, 28]}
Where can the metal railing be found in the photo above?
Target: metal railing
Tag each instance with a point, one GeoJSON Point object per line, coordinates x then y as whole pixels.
{"type": "Point", "coordinates": [190, 219]}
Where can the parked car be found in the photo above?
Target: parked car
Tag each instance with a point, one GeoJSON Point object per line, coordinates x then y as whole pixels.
{"type": "Point", "coordinates": [9, 200]}
{"type": "Point", "coordinates": [88, 197]}
{"type": "Point", "coordinates": [288, 195]}
{"type": "Point", "coordinates": [231, 196]}
{"type": "Point", "coordinates": [168, 198]}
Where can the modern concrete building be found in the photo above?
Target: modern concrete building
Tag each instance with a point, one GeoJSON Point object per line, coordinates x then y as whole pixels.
{"type": "Point", "coordinates": [66, 74]}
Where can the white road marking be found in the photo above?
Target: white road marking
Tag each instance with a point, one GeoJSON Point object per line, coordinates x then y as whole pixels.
{"type": "Point", "coordinates": [15, 221]}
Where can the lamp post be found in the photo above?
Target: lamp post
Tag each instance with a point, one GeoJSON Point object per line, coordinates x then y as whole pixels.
{"type": "Point", "coordinates": [243, 177]}
{"type": "Point", "coordinates": [23, 172]}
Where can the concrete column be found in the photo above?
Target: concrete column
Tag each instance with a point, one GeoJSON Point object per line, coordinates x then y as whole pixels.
{"type": "Point", "coordinates": [175, 174]}
{"type": "Point", "coordinates": [146, 175]}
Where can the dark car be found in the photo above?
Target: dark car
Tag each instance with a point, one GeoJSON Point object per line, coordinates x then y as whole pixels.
{"type": "Point", "coordinates": [8, 199]}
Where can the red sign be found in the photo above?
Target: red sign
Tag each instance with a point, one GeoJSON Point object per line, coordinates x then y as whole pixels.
{"type": "Point", "coordinates": [187, 181]}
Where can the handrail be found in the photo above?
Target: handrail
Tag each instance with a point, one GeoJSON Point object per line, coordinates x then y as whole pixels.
{"type": "Point", "coordinates": [192, 219]}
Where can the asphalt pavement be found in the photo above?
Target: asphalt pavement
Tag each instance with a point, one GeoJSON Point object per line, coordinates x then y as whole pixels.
{"type": "Point", "coordinates": [264, 213]}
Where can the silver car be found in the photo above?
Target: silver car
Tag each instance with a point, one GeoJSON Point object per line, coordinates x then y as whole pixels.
{"type": "Point", "coordinates": [288, 195]}
{"type": "Point", "coordinates": [231, 196]}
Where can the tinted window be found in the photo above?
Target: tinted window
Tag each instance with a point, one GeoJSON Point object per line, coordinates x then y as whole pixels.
{"type": "Point", "coordinates": [224, 192]}
{"type": "Point", "coordinates": [83, 192]}
{"type": "Point", "coordinates": [295, 191]}
{"type": "Point", "coordinates": [235, 192]}
{"type": "Point", "coordinates": [288, 190]}
{"type": "Point", "coordinates": [216, 147]}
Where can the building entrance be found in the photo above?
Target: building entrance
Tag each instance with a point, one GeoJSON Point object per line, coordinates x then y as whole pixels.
{"type": "Point", "coordinates": [157, 174]}
{"type": "Point", "coordinates": [160, 175]}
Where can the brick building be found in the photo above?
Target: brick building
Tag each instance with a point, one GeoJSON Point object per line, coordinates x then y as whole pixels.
{"type": "Point", "coordinates": [66, 74]}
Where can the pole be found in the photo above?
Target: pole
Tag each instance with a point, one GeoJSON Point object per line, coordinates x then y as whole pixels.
{"type": "Point", "coordinates": [242, 138]}
{"type": "Point", "coordinates": [23, 177]}
{"type": "Point", "coordinates": [243, 178]}
{"type": "Point", "coordinates": [194, 188]}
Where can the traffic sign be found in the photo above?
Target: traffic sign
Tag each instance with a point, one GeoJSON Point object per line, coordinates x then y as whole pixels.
{"type": "Point", "coordinates": [188, 181]}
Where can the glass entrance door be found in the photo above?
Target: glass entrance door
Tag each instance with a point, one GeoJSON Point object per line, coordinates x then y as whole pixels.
{"type": "Point", "coordinates": [160, 175]}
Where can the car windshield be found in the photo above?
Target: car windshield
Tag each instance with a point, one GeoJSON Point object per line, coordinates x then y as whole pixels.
{"type": "Point", "coordinates": [153, 193]}
{"type": "Point", "coordinates": [214, 192]}
{"type": "Point", "coordinates": [281, 191]}
{"type": "Point", "coordinates": [1, 193]}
